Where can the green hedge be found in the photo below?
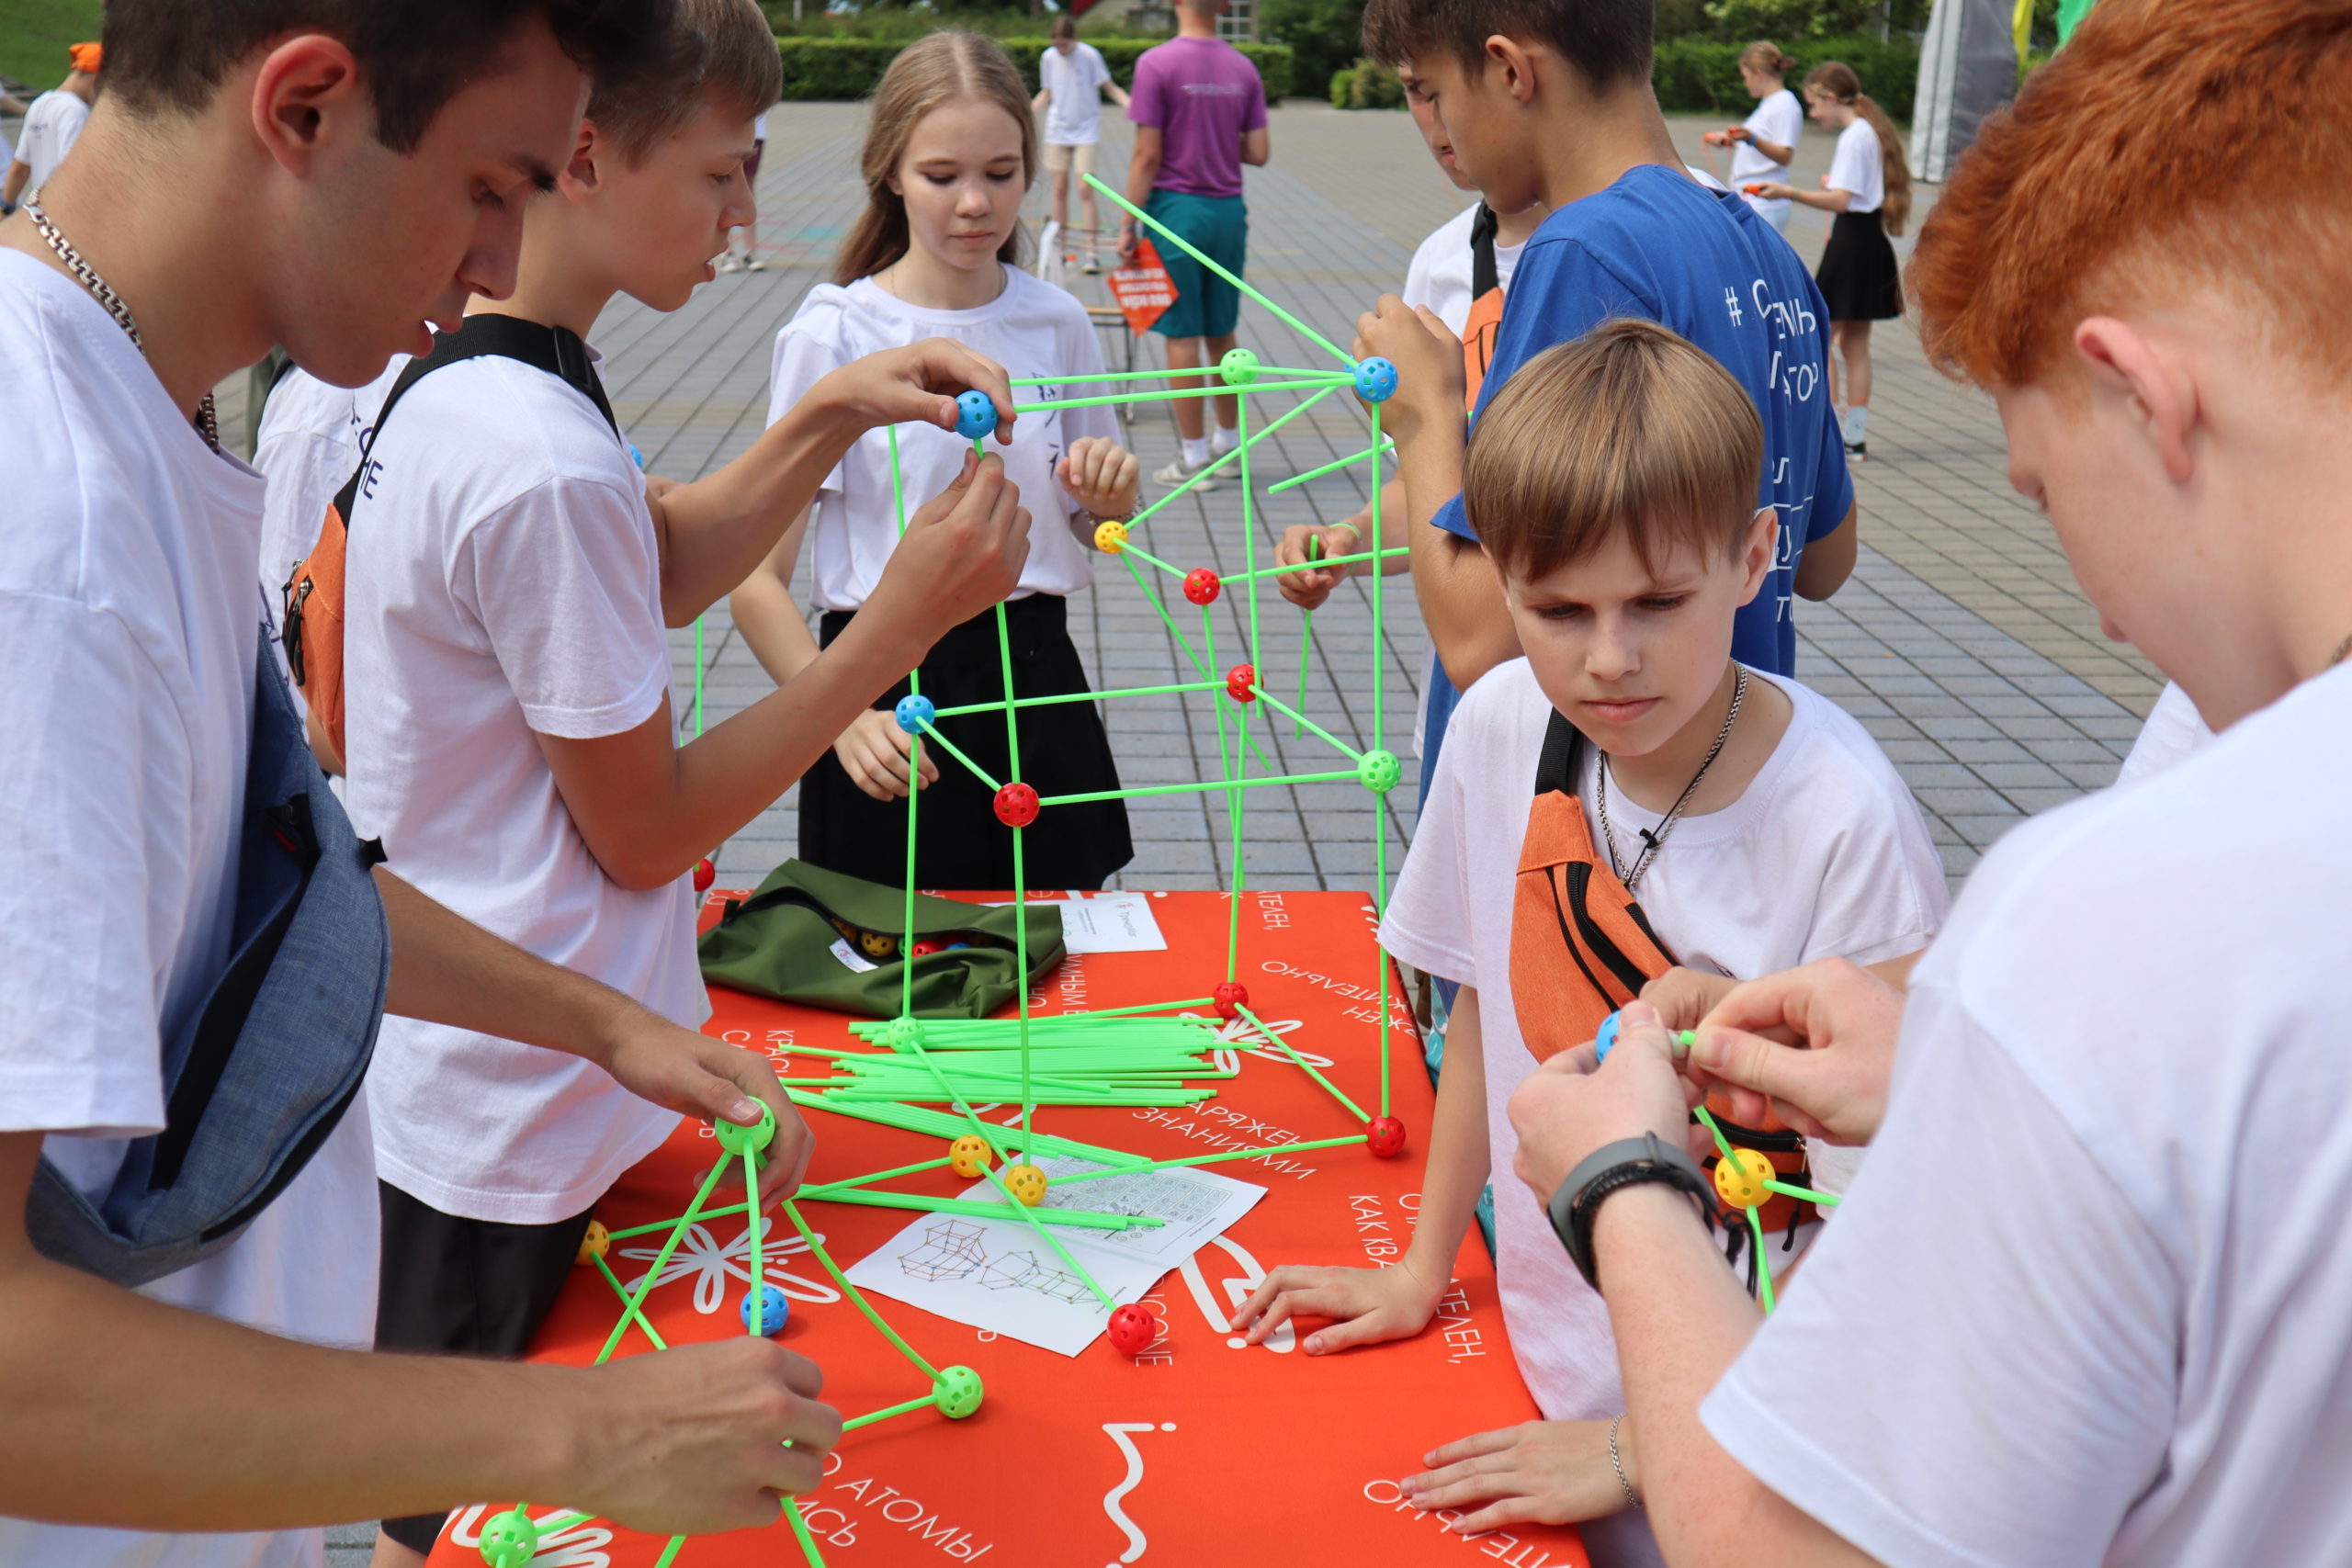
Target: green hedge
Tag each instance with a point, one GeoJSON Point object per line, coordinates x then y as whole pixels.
{"type": "Point", "coordinates": [1701, 77]}
{"type": "Point", "coordinates": [851, 67]}
{"type": "Point", "coordinates": [1367, 85]}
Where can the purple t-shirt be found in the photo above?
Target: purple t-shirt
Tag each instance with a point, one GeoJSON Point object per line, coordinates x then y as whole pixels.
{"type": "Point", "coordinates": [1202, 94]}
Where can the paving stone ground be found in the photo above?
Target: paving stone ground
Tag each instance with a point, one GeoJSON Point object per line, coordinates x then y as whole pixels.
{"type": "Point", "coordinates": [1962, 642]}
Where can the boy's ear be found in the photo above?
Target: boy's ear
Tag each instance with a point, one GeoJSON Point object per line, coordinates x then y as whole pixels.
{"type": "Point", "coordinates": [1756, 552]}
{"type": "Point", "coordinates": [1509, 68]}
{"type": "Point", "coordinates": [2160, 392]}
{"type": "Point", "coordinates": [583, 173]}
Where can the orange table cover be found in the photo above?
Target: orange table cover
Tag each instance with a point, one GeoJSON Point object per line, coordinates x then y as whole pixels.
{"type": "Point", "coordinates": [1201, 1453]}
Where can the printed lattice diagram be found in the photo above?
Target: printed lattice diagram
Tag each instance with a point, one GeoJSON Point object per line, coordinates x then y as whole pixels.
{"type": "Point", "coordinates": [951, 1251]}
{"type": "Point", "coordinates": [1022, 1272]}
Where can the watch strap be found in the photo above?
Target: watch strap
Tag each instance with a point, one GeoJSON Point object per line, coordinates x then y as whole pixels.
{"type": "Point", "coordinates": [1611, 1168]}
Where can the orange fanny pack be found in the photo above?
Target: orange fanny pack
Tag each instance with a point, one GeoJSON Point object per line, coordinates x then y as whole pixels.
{"type": "Point", "coordinates": [315, 593]}
{"type": "Point", "coordinates": [1581, 948]}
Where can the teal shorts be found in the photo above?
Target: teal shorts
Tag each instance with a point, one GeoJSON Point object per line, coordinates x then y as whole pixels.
{"type": "Point", "coordinates": [1219, 226]}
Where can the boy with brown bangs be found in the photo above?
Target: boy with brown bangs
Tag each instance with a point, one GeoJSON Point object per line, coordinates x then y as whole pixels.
{"type": "Point", "coordinates": [2123, 1336]}
{"type": "Point", "coordinates": [1628, 754]}
{"type": "Point", "coordinates": [1550, 103]}
{"type": "Point", "coordinates": [510, 732]}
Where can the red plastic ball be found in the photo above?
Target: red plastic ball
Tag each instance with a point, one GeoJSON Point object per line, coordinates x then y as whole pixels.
{"type": "Point", "coordinates": [1386, 1137]}
{"type": "Point", "coordinates": [1016, 806]}
{"type": "Point", "coordinates": [1238, 682]}
{"type": "Point", "coordinates": [704, 875]}
{"type": "Point", "coordinates": [925, 949]}
{"type": "Point", "coordinates": [1230, 998]}
{"type": "Point", "coordinates": [1132, 1330]}
{"type": "Point", "coordinates": [1202, 585]}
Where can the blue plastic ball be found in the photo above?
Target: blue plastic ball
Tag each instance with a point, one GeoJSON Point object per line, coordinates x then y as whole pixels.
{"type": "Point", "coordinates": [976, 415]}
{"type": "Point", "coordinates": [775, 1307]}
{"type": "Point", "coordinates": [1605, 1038]}
{"type": "Point", "coordinates": [1376, 381]}
{"type": "Point", "coordinates": [913, 713]}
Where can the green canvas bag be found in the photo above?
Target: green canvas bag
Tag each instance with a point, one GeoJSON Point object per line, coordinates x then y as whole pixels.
{"type": "Point", "coordinates": [825, 939]}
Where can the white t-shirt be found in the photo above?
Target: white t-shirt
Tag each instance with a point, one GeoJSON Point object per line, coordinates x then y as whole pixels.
{"type": "Point", "coordinates": [2091, 1299]}
{"type": "Point", "coordinates": [504, 583]}
{"type": "Point", "coordinates": [1780, 119]}
{"type": "Point", "coordinates": [1073, 83]}
{"type": "Point", "coordinates": [2175, 729]}
{"type": "Point", "coordinates": [51, 124]}
{"type": "Point", "coordinates": [307, 447]}
{"type": "Point", "coordinates": [1824, 854]}
{"type": "Point", "coordinates": [1858, 168]}
{"type": "Point", "coordinates": [1031, 329]}
{"type": "Point", "coordinates": [1439, 274]}
{"type": "Point", "coordinates": [128, 630]}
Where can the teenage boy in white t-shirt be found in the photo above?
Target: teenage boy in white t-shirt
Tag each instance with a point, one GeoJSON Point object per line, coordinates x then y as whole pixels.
{"type": "Point", "coordinates": [510, 733]}
{"type": "Point", "coordinates": [1074, 77]}
{"type": "Point", "coordinates": [1613, 481]}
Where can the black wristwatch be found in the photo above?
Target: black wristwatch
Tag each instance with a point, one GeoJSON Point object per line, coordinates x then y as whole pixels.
{"type": "Point", "coordinates": [1611, 1168]}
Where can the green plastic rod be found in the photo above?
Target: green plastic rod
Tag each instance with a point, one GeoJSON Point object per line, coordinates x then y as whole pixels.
{"type": "Point", "coordinates": [1802, 1194]}
{"type": "Point", "coordinates": [621, 1291]}
{"type": "Point", "coordinates": [1352, 458]}
{"type": "Point", "coordinates": [1140, 216]}
{"type": "Point", "coordinates": [1232, 456]}
{"type": "Point", "coordinates": [636, 1299]}
{"type": "Point", "coordinates": [1330, 383]}
{"type": "Point", "coordinates": [1083, 697]}
{"type": "Point", "coordinates": [909, 1408]}
{"type": "Point", "coordinates": [1281, 706]}
{"type": "Point", "coordinates": [955, 751]}
{"type": "Point", "coordinates": [1317, 562]}
{"type": "Point", "coordinates": [1235, 784]}
{"type": "Point", "coordinates": [1279, 1044]}
{"type": "Point", "coordinates": [856, 1296]}
{"type": "Point", "coordinates": [1213, 1159]}
{"type": "Point", "coordinates": [1074, 1218]}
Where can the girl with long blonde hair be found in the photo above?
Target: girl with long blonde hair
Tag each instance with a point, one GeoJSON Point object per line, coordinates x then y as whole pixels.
{"type": "Point", "coordinates": [950, 150]}
{"type": "Point", "coordinates": [1869, 188]}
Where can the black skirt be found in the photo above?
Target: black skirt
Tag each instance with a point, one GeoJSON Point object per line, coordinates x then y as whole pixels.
{"type": "Point", "coordinates": [1858, 276]}
{"type": "Point", "coordinates": [960, 845]}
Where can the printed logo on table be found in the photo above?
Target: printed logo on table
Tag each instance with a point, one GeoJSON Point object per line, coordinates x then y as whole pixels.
{"type": "Point", "coordinates": [710, 1264]}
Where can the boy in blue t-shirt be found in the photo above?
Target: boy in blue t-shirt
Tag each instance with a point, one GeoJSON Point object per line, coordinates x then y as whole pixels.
{"type": "Point", "coordinates": [1552, 104]}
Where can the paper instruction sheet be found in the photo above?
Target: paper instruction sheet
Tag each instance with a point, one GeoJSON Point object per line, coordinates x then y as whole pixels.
{"type": "Point", "coordinates": [1109, 922]}
{"type": "Point", "coordinates": [1000, 1275]}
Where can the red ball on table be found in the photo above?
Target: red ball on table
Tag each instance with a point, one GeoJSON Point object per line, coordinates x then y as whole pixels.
{"type": "Point", "coordinates": [1385, 1137]}
{"type": "Point", "coordinates": [1230, 999]}
{"type": "Point", "coordinates": [1133, 1329]}
{"type": "Point", "coordinates": [1016, 806]}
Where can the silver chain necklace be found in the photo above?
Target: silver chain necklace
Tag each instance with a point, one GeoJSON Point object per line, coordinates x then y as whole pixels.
{"type": "Point", "coordinates": [208, 423]}
{"type": "Point", "coordinates": [1654, 841]}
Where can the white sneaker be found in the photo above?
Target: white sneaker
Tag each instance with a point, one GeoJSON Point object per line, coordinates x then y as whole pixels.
{"type": "Point", "coordinates": [1177, 473]}
{"type": "Point", "coordinates": [1092, 265]}
{"type": "Point", "coordinates": [730, 263]}
{"type": "Point", "coordinates": [753, 263]}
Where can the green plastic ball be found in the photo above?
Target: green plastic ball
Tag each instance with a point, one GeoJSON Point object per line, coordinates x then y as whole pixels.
{"type": "Point", "coordinates": [903, 1035]}
{"type": "Point", "coordinates": [736, 1140]}
{"type": "Point", "coordinates": [1378, 772]}
{"type": "Point", "coordinates": [1239, 367]}
{"type": "Point", "coordinates": [510, 1540]}
{"type": "Point", "coordinates": [959, 1392]}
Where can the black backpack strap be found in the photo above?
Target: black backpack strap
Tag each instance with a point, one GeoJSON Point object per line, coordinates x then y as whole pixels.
{"type": "Point", "coordinates": [1563, 757]}
{"type": "Point", "coordinates": [558, 350]}
{"type": "Point", "coordinates": [1486, 276]}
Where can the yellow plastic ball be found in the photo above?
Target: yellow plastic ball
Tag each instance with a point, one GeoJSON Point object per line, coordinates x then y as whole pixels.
{"type": "Point", "coordinates": [594, 1244]}
{"type": "Point", "coordinates": [1026, 1182]}
{"type": "Point", "coordinates": [1739, 1181]}
{"type": "Point", "coordinates": [1110, 538]}
{"type": "Point", "coordinates": [969, 1155]}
